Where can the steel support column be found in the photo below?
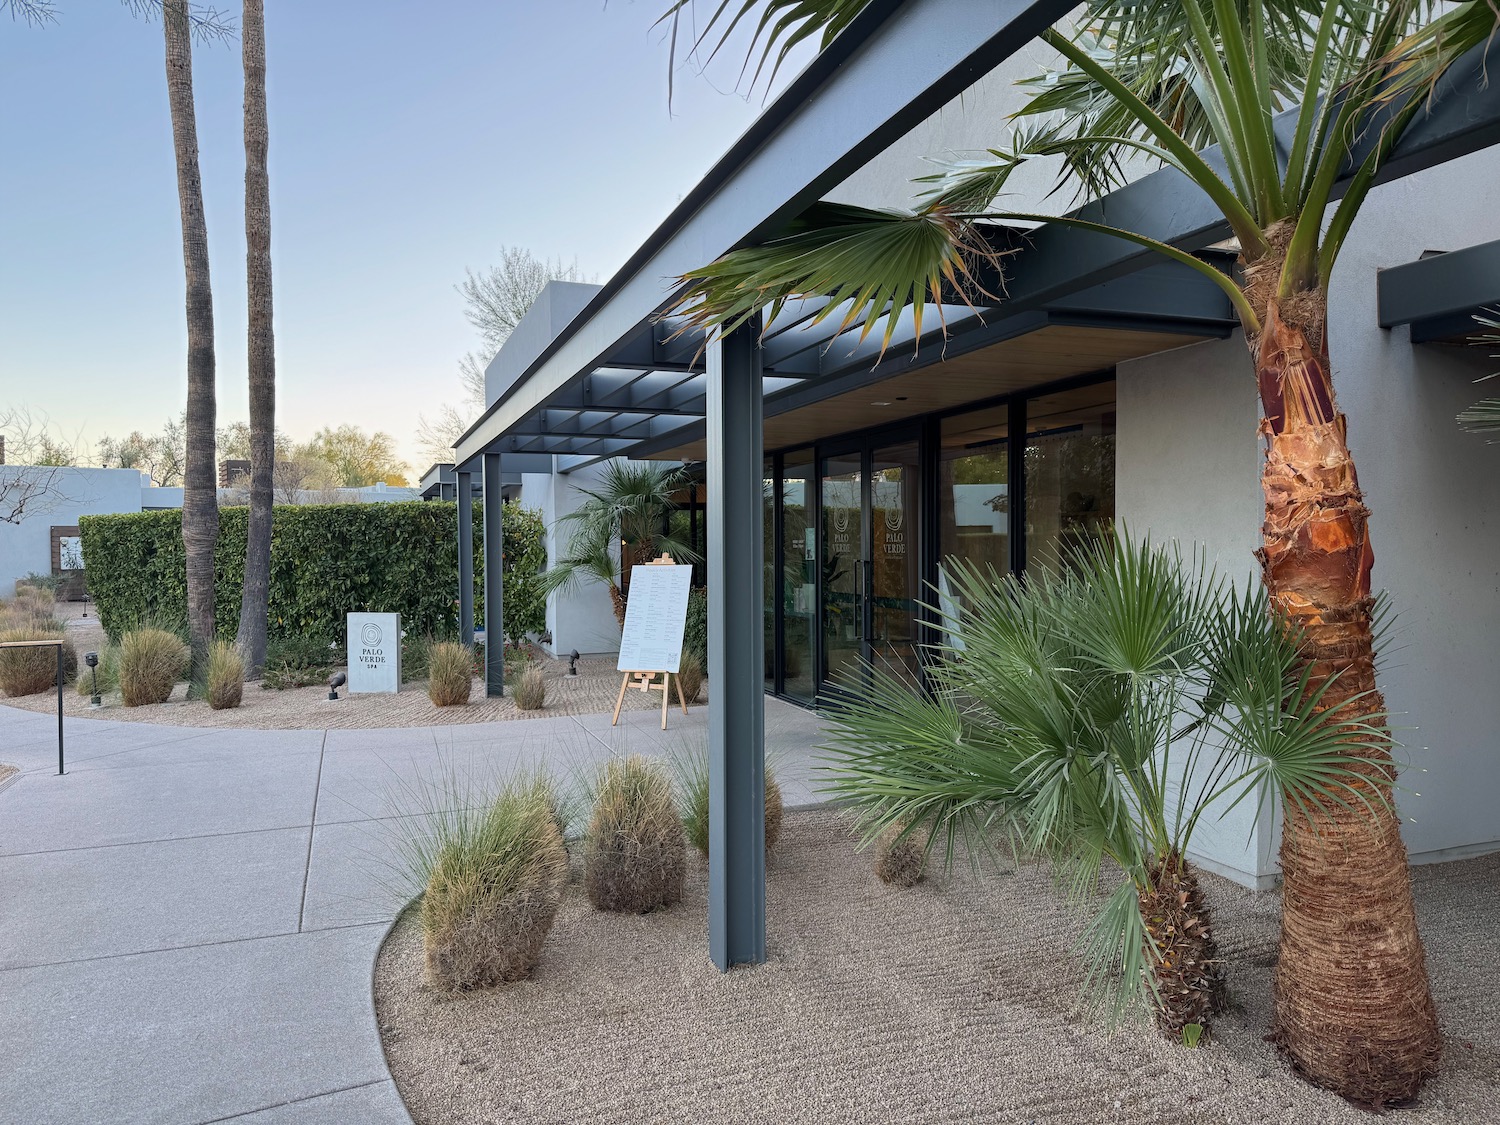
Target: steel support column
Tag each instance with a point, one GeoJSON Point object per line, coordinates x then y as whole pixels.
{"type": "Point", "coordinates": [494, 570]}
{"type": "Point", "coordinates": [736, 660]}
{"type": "Point", "coordinates": [464, 495]}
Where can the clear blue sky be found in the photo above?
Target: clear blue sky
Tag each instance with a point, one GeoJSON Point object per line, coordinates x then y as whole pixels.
{"type": "Point", "coordinates": [408, 141]}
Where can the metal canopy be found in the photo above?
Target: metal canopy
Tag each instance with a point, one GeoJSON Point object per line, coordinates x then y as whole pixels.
{"type": "Point", "coordinates": [1440, 293]}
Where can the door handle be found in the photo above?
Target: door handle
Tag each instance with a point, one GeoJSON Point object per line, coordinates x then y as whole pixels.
{"type": "Point", "coordinates": [859, 599]}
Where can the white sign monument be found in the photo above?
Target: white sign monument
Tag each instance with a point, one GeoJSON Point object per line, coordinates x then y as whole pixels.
{"type": "Point", "coordinates": [374, 645]}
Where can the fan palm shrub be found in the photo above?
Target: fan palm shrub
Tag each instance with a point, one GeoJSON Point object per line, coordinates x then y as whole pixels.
{"type": "Point", "coordinates": [1154, 82]}
{"type": "Point", "coordinates": [628, 513]}
{"type": "Point", "coordinates": [900, 857]}
{"type": "Point", "coordinates": [1102, 714]}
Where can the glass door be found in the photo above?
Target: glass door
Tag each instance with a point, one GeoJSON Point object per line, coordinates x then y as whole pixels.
{"type": "Point", "coordinates": [894, 577]}
{"type": "Point", "coordinates": [842, 562]}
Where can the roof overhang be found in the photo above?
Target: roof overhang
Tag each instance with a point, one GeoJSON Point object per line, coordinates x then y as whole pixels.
{"type": "Point", "coordinates": [1440, 294]}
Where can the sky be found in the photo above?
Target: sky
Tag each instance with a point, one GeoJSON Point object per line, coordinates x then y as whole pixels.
{"type": "Point", "coordinates": [409, 141]}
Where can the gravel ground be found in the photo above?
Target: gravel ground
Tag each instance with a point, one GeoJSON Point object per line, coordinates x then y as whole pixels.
{"type": "Point", "coordinates": [951, 1002]}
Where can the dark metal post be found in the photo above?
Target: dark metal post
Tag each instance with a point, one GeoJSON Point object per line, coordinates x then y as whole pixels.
{"type": "Point", "coordinates": [494, 573]}
{"type": "Point", "coordinates": [736, 662]}
{"type": "Point", "coordinates": [1015, 484]}
{"type": "Point", "coordinates": [60, 769]}
{"type": "Point", "coordinates": [465, 498]}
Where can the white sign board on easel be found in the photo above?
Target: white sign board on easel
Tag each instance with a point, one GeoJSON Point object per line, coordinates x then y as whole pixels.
{"type": "Point", "coordinates": [374, 646]}
{"type": "Point", "coordinates": [655, 618]}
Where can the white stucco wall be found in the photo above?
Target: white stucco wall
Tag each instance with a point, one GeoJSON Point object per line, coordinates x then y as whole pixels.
{"type": "Point", "coordinates": [26, 547]}
{"type": "Point", "coordinates": [582, 616]}
{"type": "Point", "coordinates": [1188, 465]}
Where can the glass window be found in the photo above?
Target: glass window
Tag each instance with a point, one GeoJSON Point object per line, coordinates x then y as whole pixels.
{"type": "Point", "coordinates": [1070, 472]}
{"type": "Point", "coordinates": [973, 489]}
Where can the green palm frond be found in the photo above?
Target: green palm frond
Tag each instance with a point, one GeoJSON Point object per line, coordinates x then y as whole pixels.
{"type": "Point", "coordinates": [780, 28]}
{"type": "Point", "coordinates": [1484, 416]}
{"type": "Point", "coordinates": [867, 262]}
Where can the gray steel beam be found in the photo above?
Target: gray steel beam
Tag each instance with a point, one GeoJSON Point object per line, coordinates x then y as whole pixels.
{"type": "Point", "coordinates": [465, 500]}
{"type": "Point", "coordinates": [736, 668]}
{"type": "Point", "coordinates": [1440, 292]}
{"type": "Point", "coordinates": [494, 578]}
{"type": "Point", "coordinates": [895, 65]}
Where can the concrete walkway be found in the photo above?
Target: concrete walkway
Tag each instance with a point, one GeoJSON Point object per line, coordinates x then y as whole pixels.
{"type": "Point", "coordinates": [189, 917]}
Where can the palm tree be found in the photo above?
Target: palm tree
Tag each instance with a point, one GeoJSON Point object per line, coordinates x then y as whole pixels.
{"type": "Point", "coordinates": [200, 498]}
{"type": "Point", "coordinates": [629, 512]}
{"type": "Point", "coordinates": [1484, 416]}
{"type": "Point", "coordinates": [255, 599]}
{"type": "Point", "coordinates": [1157, 80]}
{"type": "Point", "coordinates": [1101, 712]}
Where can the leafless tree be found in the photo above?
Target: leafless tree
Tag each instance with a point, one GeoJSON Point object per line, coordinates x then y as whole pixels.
{"type": "Point", "coordinates": [29, 490]}
{"type": "Point", "coordinates": [32, 438]}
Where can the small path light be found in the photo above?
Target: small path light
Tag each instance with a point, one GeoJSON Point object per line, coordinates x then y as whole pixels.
{"type": "Point", "coordinates": [92, 660]}
{"type": "Point", "coordinates": [573, 663]}
{"type": "Point", "coordinates": [336, 681]}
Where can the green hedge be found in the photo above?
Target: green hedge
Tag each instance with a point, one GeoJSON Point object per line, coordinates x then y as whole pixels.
{"type": "Point", "coordinates": [327, 560]}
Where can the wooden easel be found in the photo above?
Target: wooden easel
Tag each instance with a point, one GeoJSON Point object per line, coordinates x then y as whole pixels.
{"type": "Point", "coordinates": [646, 681]}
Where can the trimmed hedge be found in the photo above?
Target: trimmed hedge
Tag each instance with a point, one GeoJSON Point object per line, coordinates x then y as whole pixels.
{"type": "Point", "coordinates": [327, 560]}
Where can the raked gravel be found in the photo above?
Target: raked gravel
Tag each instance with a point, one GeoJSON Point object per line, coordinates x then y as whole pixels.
{"type": "Point", "coordinates": [953, 1001]}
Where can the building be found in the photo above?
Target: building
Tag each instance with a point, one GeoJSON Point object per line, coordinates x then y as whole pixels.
{"type": "Point", "coordinates": [1106, 386]}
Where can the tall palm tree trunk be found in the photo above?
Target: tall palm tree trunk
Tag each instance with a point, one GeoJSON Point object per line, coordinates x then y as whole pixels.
{"type": "Point", "coordinates": [255, 601]}
{"type": "Point", "coordinates": [200, 501]}
{"type": "Point", "coordinates": [1354, 1008]}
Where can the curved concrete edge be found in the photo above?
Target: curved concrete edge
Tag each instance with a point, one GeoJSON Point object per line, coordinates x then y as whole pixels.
{"type": "Point", "coordinates": [385, 1059]}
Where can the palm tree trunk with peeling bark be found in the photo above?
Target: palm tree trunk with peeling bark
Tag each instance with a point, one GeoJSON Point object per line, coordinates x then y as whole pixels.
{"type": "Point", "coordinates": [1353, 1004]}
{"type": "Point", "coordinates": [261, 355]}
{"type": "Point", "coordinates": [200, 500]}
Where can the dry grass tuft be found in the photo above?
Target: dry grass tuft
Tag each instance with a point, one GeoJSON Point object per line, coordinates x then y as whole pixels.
{"type": "Point", "coordinates": [495, 877]}
{"type": "Point", "coordinates": [531, 689]}
{"type": "Point", "coordinates": [450, 673]}
{"type": "Point", "coordinates": [900, 860]}
{"type": "Point", "coordinates": [224, 677]}
{"type": "Point", "coordinates": [690, 676]}
{"type": "Point", "coordinates": [151, 662]}
{"type": "Point", "coordinates": [692, 795]}
{"type": "Point", "coordinates": [634, 857]}
{"type": "Point", "coordinates": [28, 671]}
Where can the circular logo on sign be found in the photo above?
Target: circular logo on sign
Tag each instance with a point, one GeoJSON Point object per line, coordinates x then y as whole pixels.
{"type": "Point", "coordinates": [371, 635]}
{"type": "Point", "coordinates": [893, 518]}
{"type": "Point", "coordinates": [841, 519]}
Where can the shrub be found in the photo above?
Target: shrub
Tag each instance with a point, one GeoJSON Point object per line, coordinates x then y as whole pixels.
{"type": "Point", "coordinates": [293, 662]}
{"type": "Point", "coordinates": [327, 560]}
{"type": "Point", "coordinates": [692, 801]}
{"type": "Point", "coordinates": [27, 671]}
{"type": "Point", "coordinates": [695, 632]}
{"type": "Point", "coordinates": [690, 676]}
{"type": "Point", "coordinates": [634, 859]}
{"type": "Point", "coordinates": [900, 858]}
{"type": "Point", "coordinates": [106, 674]}
{"type": "Point", "coordinates": [494, 876]}
{"type": "Point", "coordinates": [224, 677]}
{"type": "Point", "coordinates": [151, 663]}
{"type": "Point", "coordinates": [531, 689]}
{"type": "Point", "coordinates": [450, 668]}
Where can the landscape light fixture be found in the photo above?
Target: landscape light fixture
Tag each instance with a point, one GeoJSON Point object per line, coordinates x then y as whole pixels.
{"type": "Point", "coordinates": [92, 660]}
{"type": "Point", "coordinates": [336, 681]}
{"type": "Point", "coordinates": [573, 663]}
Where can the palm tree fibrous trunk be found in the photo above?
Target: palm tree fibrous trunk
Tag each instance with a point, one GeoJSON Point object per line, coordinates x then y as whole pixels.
{"type": "Point", "coordinates": [261, 356]}
{"type": "Point", "coordinates": [200, 502]}
{"type": "Point", "coordinates": [1354, 1008]}
{"type": "Point", "coordinates": [1188, 973]}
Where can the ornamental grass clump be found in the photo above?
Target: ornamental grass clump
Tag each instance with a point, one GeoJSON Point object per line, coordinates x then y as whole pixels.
{"type": "Point", "coordinates": [690, 676]}
{"type": "Point", "coordinates": [691, 771]}
{"type": "Point", "coordinates": [152, 661]}
{"type": "Point", "coordinates": [1102, 713]}
{"type": "Point", "coordinates": [450, 668]}
{"type": "Point", "coordinates": [531, 689]}
{"type": "Point", "coordinates": [634, 857]}
{"type": "Point", "coordinates": [30, 670]}
{"type": "Point", "coordinates": [224, 676]}
{"type": "Point", "coordinates": [494, 874]}
{"type": "Point", "coordinates": [105, 675]}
